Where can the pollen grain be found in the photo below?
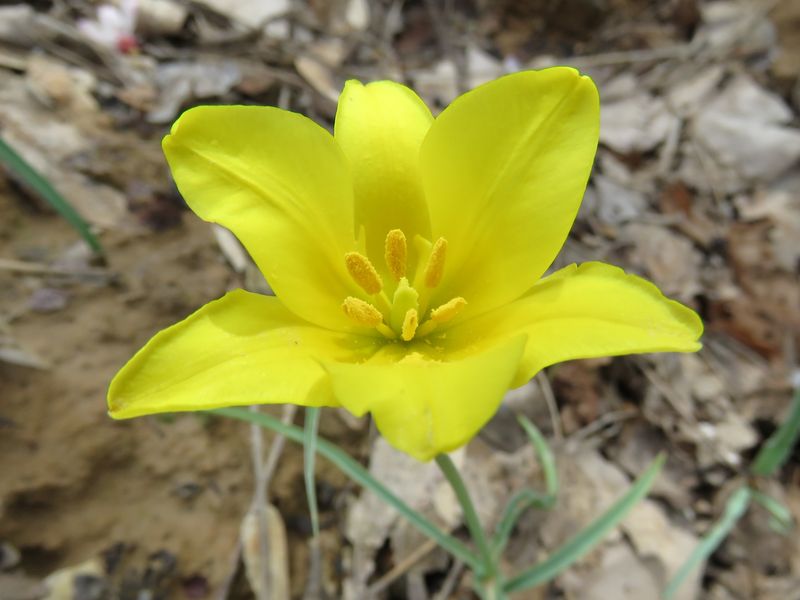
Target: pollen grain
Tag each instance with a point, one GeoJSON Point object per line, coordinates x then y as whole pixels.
{"type": "Point", "coordinates": [435, 267]}
{"type": "Point", "coordinates": [448, 310]}
{"type": "Point", "coordinates": [396, 253]}
{"type": "Point", "coordinates": [362, 312]}
{"type": "Point", "coordinates": [363, 273]}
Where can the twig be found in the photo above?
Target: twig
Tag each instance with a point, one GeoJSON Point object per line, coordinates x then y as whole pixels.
{"type": "Point", "coordinates": [552, 408]}
{"type": "Point", "coordinates": [445, 37]}
{"type": "Point", "coordinates": [33, 268]}
{"type": "Point", "coordinates": [450, 581]}
{"type": "Point", "coordinates": [606, 419]}
{"type": "Point", "coordinates": [233, 567]}
{"type": "Point", "coordinates": [681, 403]}
{"type": "Point", "coordinates": [260, 499]}
{"type": "Point", "coordinates": [263, 471]}
{"type": "Point", "coordinates": [400, 568]}
{"type": "Point", "coordinates": [623, 57]}
{"type": "Point", "coordinates": [289, 411]}
{"type": "Point", "coordinates": [314, 589]}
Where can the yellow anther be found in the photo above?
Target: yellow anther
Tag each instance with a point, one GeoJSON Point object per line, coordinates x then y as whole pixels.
{"type": "Point", "coordinates": [448, 310]}
{"type": "Point", "coordinates": [363, 273]}
{"type": "Point", "coordinates": [396, 253]}
{"type": "Point", "coordinates": [410, 323]}
{"type": "Point", "coordinates": [435, 267]}
{"type": "Point", "coordinates": [362, 312]}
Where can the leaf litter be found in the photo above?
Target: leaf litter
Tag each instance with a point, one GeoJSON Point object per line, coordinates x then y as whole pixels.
{"type": "Point", "coordinates": [696, 187]}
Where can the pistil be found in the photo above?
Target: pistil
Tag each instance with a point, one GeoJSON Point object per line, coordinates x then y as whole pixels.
{"type": "Point", "coordinates": [410, 323]}
{"type": "Point", "coordinates": [402, 315]}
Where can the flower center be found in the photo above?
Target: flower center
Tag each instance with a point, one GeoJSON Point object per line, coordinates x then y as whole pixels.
{"type": "Point", "coordinates": [406, 314]}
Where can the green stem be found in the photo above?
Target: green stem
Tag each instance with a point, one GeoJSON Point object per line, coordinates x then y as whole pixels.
{"type": "Point", "coordinates": [490, 571]}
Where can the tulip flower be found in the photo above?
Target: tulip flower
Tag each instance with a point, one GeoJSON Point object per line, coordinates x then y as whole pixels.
{"type": "Point", "coordinates": [407, 255]}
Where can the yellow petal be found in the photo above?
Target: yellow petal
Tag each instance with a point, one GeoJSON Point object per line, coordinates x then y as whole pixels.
{"type": "Point", "coordinates": [586, 311]}
{"type": "Point", "coordinates": [504, 169]}
{"type": "Point", "coordinates": [380, 127]}
{"type": "Point", "coordinates": [281, 184]}
{"type": "Point", "coordinates": [241, 349]}
{"type": "Point", "coordinates": [424, 403]}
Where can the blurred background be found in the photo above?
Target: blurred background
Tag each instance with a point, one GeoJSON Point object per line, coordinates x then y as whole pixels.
{"type": "Point", "coordinates": [696, 186]}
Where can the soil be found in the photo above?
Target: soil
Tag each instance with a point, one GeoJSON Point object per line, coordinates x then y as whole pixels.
{"type": "Point", "coordinates": [73, 482]}
{"type": "Point", "coordinates": [160, 500]}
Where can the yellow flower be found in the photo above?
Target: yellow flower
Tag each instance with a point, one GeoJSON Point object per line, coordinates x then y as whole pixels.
{"type": "Point", "coordinates": [406, 253]}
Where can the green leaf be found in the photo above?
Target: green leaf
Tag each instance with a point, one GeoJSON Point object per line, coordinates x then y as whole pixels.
{"type": "Point", "coordinates": [589, 537]}
{"type": "Point", "coordinates": [36, 182]}
{"type": "Point", "coordinates": [781, 517]}
{"type": "Point", "coordinates": [545, 456]}
{"type": "Point", "coordinates": [488, 563]}
{"type": "Point", "coordinates": [525, 499]}
{"type": "Point", "coordinates": [778, 447]}
{"type": "Point", "coordinates": [519, 503]}
{"type": "Point", "coordinates": [734, 509]}
{"type": "Point", "coordinates": [360, 475]}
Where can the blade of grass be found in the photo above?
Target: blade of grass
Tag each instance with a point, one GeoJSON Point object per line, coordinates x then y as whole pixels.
{"type": "Point", "coordinates": [525, 499]}
{"type": "Point", "coordinates": [734, 509]}
{"type": "Point", "coordinates": [589, 537]}
{"type": "Point", "coordinates": [519, 503]}
{"type": "Point", "coordinates": [781, 517]}
{"type": "Point", "coordinates": [779, 445]}
{"type": "Point", "coordinates": [448, 468]}
{"type": "Point", "coordinates": [361, 476]}
{"type": "Point", "coordinates": [41, 186]}
{"type": "Point", "coordinates": [545, 455]}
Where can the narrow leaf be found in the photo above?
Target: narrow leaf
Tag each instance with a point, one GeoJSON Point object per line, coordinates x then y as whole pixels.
{"type": "Point", "coordinates": [589, 537]}
{"type": "Point", "coordinates": [525, 499]}
{"type": "Point", "coordinates": [778, 447]}
{"type": "Point", "coordinates": [781, 517]}
{"type": "Point", "coordinates": [449, 470]}
{"type": "Point", "coordinates": [734, 509]}
{"type": "Point", "coordinates": [360, 475]}
{"type": "Point", "coordinates": [544, 453]}
{"type": "Point", "coordinates": [41, 186]}
{"type": "Point", "coordinates": [519, 503]}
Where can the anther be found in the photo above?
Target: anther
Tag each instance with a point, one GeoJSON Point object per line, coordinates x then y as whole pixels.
{"type": "Point", "coordinates": [362, 312]}
{"type": "Point", "coordinates": [363, 273]}
{"type": "Point", "coordinates": [396, 253]}
{"type": "Point", "coordinates": [448, 310]}
{"type": "Point", "coordinates": [435, 267]}
{"type": "Point", "coordinates": [410, 323]}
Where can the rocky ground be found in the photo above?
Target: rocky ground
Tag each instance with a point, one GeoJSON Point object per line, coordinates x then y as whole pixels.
{"type": "Point", "coordinates": [696, 186]}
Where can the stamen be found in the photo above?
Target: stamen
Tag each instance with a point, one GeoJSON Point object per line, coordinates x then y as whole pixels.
{"type": "Point", "coordinates": [435, 267]}
{"type": "Point", "coordinates": [363, 273]}
{"type": "Point", "coordinates": [362, 312]}
{"type": "Point", "coordinates": [448, 310]}
{"type": "Point", "coordinates": [396, 253]}
{"type": "Point", "coordinates": [410, 323]}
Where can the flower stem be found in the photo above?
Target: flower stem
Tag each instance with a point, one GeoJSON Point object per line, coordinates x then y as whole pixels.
{"type": "Point", "coordinates": [490, 572]}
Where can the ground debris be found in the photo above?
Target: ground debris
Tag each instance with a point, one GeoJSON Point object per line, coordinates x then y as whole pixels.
{"type": "Point", "coordinates": [695, 187]}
